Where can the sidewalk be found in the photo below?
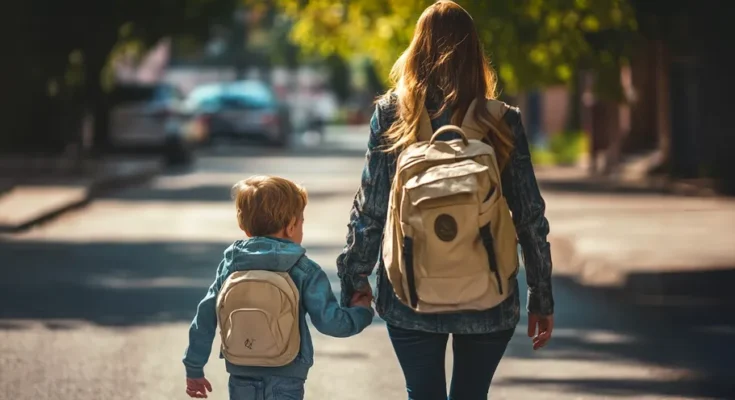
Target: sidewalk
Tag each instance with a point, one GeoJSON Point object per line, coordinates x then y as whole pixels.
{"type": "Point", "coordinates": [656, 247]}
{"type": "Point", "coordinates": [33, 190]}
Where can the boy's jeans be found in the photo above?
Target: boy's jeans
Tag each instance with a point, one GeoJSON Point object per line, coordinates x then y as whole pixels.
{"type": "Point", "coordinates": [266, 388]}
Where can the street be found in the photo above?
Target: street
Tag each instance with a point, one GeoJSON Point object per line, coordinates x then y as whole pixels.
{"type": "Point", "coordinates": [96, 304]}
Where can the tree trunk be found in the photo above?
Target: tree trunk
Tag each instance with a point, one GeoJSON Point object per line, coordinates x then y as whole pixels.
{"type": "Point", "coordinates": [96, 53]}
{"type": "Point", "coordinates": [643, 136]}
{"type": "Point", "coordinates": [663, 114]}
{"type": "Point", "coordinates": [586, 117]}
{"type": "Point", "coordinates": [97, 103]}
{"type": "Point", "coordinates": [575, 90]}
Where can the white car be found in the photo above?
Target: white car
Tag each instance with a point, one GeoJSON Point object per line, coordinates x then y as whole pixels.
{"type": "Point", "coordinates": [148, 118]}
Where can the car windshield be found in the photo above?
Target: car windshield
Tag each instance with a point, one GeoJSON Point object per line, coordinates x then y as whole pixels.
{"type": "Point", "coordinates": [246, 94]}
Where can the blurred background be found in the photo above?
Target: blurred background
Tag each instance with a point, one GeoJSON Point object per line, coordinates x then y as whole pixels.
{"type": "Point", "coordinates": [125, 123]}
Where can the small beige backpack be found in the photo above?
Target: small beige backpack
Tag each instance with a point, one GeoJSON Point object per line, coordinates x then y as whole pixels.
{"type": "Point", "coordinates": [258, 317]}
{"type": "Point", "coordinates": [450, 244]}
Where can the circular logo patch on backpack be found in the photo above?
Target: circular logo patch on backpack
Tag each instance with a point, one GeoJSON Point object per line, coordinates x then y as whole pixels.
{"type": "Point", "coordinates": [445, 227]}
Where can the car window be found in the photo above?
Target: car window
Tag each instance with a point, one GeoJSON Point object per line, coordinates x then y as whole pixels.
{"type": "Point", "coordinates": [203, 97]}
{"type": "Point", "coordinates": [244, 94]}
{"type": "Point", "coordinates": [249, 94]}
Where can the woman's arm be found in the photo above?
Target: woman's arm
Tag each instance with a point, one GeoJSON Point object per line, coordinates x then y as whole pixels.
{"type": "Point", "coordinates": [368, 215]}
{"type": "Point", "coordinates": [528, 207]}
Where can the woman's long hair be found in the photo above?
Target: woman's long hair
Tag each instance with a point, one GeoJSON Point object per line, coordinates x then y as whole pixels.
{"type": "Point", "coordinates": [445, 61]}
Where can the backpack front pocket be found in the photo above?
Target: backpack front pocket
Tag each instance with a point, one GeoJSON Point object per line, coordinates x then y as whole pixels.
{"type": "Point", "coordinates": [440, 217]}
{"type": "Point", "coordinates": [250, 334]}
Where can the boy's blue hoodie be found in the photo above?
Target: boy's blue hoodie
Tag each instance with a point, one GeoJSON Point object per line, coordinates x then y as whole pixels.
{"type": "Point", "coordinates": [317, 299]}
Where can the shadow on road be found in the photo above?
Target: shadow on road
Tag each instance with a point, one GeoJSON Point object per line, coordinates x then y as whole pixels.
{"type": "Point", "coordinates": [692, 388]}
{"type": "Point", "coordinates": [206, 193]}
{"type": "Point", "coordinates": [245, 149]}
{"type": "Point", "coordinates": [590, 186]}
{"type": "Point", "coordinates": [609, 325]}
{"type": "Point", "coordinates": [109, 284]}
{"type": "Point", "coordinates": [130, 284]}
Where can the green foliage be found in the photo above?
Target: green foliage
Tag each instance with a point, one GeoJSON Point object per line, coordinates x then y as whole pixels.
{"type": "Point", "coordinates": [66, 61]}
{"type": "Point", "coordinates": [104, 28]}
{"type": "Point", "coordinates": [531, 43]}
{"type": "Point", "coordinates": [564, 148]}
{"type": "Point", "coordinates": [282, 50]}
{"type": "Point", "coordinates": [339, 73]}
{"type": "Point", "coordinates": [542, 157]}
{"type": "Point", "coordinates": [568, 147]}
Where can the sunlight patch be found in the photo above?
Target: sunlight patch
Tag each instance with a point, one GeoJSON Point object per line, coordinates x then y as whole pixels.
{"type": "Point", "coordinates": [149, 283]}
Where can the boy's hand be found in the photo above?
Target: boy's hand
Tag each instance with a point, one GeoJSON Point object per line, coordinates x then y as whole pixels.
{"type": "Point", "coordinates": [197, 388]}
{"type": "Point", "coordinates": [361, 299]}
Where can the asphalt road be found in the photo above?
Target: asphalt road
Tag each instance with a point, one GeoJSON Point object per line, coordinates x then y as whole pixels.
{"type": "Point", "coordinates": [96, 304]}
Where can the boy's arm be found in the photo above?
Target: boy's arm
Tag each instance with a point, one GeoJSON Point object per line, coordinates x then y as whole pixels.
{"type": "Point", "coordinates": [202, 330]}
{"type": "Point", "coordinates": [326, 314]}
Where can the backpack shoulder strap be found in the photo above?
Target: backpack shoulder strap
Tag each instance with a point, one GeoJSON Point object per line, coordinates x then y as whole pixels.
{"type": "Point", "coordinates": [426, 131]}
{"type": "Point", "coordinates": [473, 129]}
{"type": "Point", "coordinates": [477, 129]}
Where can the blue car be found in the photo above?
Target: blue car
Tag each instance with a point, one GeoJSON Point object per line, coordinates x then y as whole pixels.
{"type": "Point", "coordinates": [242, 109]}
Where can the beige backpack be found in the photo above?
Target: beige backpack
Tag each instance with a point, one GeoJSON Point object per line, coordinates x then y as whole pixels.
{"type": "Point", "coordinates": [258, 317]}
{"type": "Point", "coordinates": [450, 243]}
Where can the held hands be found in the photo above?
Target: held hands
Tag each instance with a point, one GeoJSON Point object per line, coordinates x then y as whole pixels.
{"type": "Point", "coordinates": [539, 329]}
{"type": "Point", "coordinates": [362, 298]}
{"type": "Point", "coordinates": [363, 295]}
{"type": "Point", "coordinates": [198, 387]}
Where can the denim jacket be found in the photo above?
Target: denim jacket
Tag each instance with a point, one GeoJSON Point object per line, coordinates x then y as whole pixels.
{"type": "Point", "coordinates": [368, 217]}
{"type": "Point", "coordinates": [317, 300]}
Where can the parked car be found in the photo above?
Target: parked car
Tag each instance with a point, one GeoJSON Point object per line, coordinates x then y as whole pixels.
{"type": "Point", "coordinates": [147, 118]}
{"type": "Point", "coordinates": [241, 109]}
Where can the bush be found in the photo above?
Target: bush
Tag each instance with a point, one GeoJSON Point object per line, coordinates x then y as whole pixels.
{"type": "Point", "coordinates": [542, 156]}
{"type": "Point", "coordinates": [569, 147]}
{"type": "Point", "coordinates": [564, 148]}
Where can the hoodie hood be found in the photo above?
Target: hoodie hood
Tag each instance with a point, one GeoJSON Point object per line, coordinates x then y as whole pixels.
{"type": "Point", "coordinates": [263, 253]}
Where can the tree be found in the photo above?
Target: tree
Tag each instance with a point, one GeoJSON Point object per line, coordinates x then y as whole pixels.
{"type": "Point", "coordinates": [531, 43]}
{"type": "Point", "coordinates": [61, 40]}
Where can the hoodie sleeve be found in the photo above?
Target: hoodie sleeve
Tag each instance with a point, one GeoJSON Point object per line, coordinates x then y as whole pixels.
{"type": "Point", "coordinates": [325, 312]}
{"type": "Point", "coordinates": [202, 329]}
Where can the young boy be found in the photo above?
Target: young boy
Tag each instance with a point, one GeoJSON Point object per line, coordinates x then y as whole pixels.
{"type": "Point", "coordinates": [270, 210]}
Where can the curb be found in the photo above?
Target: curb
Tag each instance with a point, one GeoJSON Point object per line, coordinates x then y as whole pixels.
{"type": "Point", "coordinates": [95, 189]}
{"type": "Point", "coordinates": [586, 271]}
{"type": "Point", "coordinates": [596, 273]}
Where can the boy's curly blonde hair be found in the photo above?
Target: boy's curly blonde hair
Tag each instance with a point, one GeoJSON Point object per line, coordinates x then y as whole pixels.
{"type": "Point", "coordinates": [267, 204]}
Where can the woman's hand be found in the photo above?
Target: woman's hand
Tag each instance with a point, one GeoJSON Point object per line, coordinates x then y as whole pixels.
{"type": "Point", "coordinates": [539, 329]}
{"type": "Point", "coordinates": [354, 284]}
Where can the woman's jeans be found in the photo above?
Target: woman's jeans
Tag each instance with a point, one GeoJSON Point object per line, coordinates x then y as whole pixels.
{"type": "Point", "coordinates": [421, 355]}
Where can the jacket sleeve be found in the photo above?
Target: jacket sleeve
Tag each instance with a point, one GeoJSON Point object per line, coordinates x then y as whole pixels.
{"type": "Point", "coordinates": [524, 199]}
{"type": "Point", "coordinates": [203, 329]}
{"type": "Point", "coordinates": [326, 314]}
{"type": "Point", "coordinates": [368, 214]}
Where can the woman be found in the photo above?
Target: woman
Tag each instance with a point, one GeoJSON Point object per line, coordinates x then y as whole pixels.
{"type": "Point", "coordinates": [445, 69]}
